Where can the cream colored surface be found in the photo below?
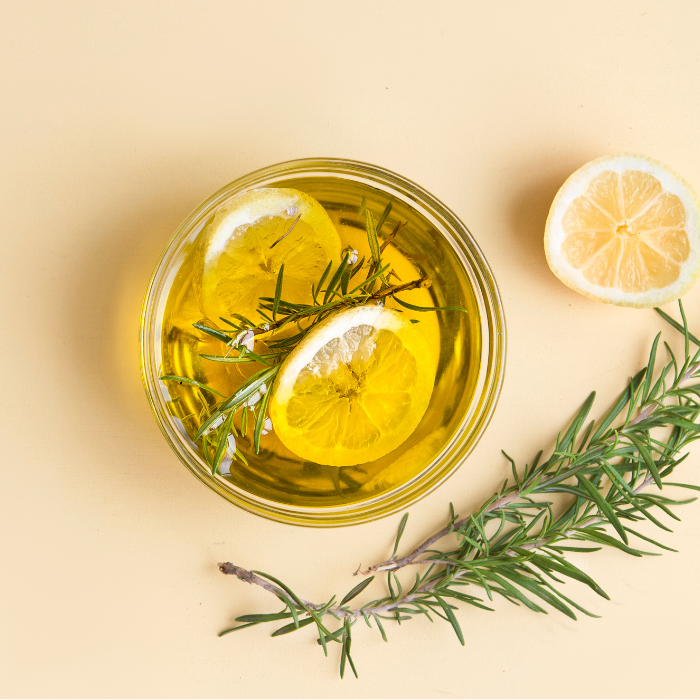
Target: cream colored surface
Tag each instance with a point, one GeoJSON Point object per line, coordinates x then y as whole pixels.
{"type": "Point", "coordinates": [117, 120]}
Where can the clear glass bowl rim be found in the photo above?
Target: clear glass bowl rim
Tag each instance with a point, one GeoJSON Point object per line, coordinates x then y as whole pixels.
{"type": "Point", "coordinates": [486, 392]}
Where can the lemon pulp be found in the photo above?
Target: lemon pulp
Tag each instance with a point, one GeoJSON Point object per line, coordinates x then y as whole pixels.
{"type": "Point", "coordinates": [624, 229]}
{"type": "Point", "coordinates": [627, 232]}
{"type": "Point", "coordinates": [355, 388]}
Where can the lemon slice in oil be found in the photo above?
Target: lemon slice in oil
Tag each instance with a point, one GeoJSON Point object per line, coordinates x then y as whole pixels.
{"type": "Point", "coordinates": [355, 387]}
{"type": "Point", "coordinates": [249, 238]}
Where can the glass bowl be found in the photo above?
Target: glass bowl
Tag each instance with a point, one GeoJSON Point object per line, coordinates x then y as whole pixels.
{"type": "Point", "coordinates": [474, 389]}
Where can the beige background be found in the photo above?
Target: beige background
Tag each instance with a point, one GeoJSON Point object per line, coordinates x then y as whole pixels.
{"type": "Point", "coordinates": [117, 120]}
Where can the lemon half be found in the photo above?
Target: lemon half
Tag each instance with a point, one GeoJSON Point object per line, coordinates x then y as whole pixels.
{"type": "Point", "coordinates": [625, 229]}
{"type": "Point", "coordinates": [249, 238]}
{"type": "Point", "coordinates": [355, 387]}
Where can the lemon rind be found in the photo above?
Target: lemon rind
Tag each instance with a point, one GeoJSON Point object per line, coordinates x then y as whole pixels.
{"type": "Point", "coordinates": [239, 212]}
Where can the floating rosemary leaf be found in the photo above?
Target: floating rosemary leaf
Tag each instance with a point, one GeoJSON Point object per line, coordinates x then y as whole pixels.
{"type": "Point", "coordinates": [384, 217]}
{"type": "Point", "coordinates": [185, 380]}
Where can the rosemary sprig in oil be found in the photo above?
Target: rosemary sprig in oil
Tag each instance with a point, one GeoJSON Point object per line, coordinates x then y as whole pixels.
{"type": "Point", "coordinates": [611, 470]}
{"type": "Point", "coordinates": [336, 290]}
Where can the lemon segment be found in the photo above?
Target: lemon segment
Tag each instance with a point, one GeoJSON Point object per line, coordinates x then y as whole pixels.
{"type": "Point", "coordinates": [625, 230]}
{"type": "Point", "coordinates": [249, 238]}
{"type": "Point", "coordinates": [355, 388]}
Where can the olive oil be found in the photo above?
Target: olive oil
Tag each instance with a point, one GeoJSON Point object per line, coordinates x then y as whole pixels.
{"type": "Point", "coordinates": [276, 473]}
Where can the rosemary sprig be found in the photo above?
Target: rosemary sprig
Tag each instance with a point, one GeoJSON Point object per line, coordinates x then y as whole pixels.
{"type": "Point", "coordinates": [331, 294]}
{"type": "Point", "coordinates": [605, 472]}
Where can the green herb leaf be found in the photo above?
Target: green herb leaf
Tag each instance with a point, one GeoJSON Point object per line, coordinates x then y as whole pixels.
{"type": "Point", "coordinates": [672, 322]}
{"type": "Point", "coordinates": [356, 591]}
{"type": "Point", "coordinates": [185, 380]}
{"type": "Point", "coordinates": [374, 245]}
{"type": "Point", "coordinates": [235, 629]}
{"type": "Point", "coordinates": [413, 307]}
{"type": "Point", "coordinates": [384, 217]}
{"type": "Point", "coordinates": [451, 617]}
{"type": "Point", "coordinates": [260, 421]}
{"type": "Point", "coordinates": [219, 335]}
{"type": "Point", "coordinates": [291, 627]}
{"type": "Point", "coordinates": [646, 456]}
{"type": "Point", "coordinates": [278, 293]}
{"type": "Point", "coordinates": [604, 506]}
{"type": "Point", "coordinates": [380, 627]}
{"type": "Point", "coordinates": [617, 407]}
{"type": "Point", "coordinates": [223, 442]}
{"type": "Point", "coordinates": [335, 280]}
{"type": "Point", "coordinates": [268, 617]}
{"type": "Point", "coordinates": [402, 527]}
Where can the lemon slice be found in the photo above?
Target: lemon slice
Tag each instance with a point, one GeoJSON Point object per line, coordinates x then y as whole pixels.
{"type": "Point", "coordinates": [249, 238]}
{"type": "Point", "coordinates": [355, 388]}
{"type": "Point", "coordinates": [624, 229]}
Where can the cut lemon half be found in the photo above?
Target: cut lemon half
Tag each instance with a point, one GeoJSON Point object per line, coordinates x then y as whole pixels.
{"type": "Point", "coordinates": [624, 229]}
{"type": "Point", "coordinates": [249, 238]}
{"type": "Point", "coordinates": [355, 388]}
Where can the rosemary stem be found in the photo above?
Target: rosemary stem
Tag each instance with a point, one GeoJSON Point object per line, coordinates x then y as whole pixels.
{"type": "Point", "coordinates": [251, 577]}
{"type": "Point", "coordinates": [336, 611]}
{"type": "Point", "coordinates": [394, 564]}
{"type": "Point", "coordinates": [422, 283]}
{"type": "Point", "coordinates": [505, 500]}
{"type": "Point", "coordinates": [524, 558]}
